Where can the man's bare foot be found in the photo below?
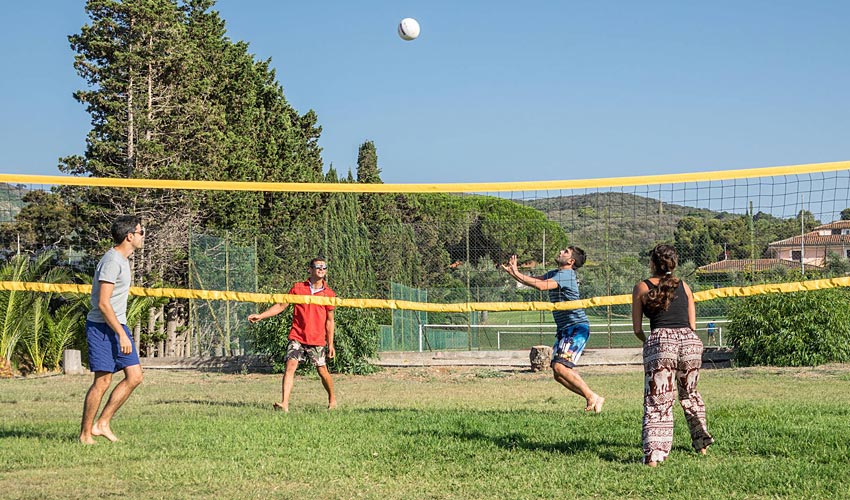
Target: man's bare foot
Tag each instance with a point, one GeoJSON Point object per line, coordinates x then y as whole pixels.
{"type": "Point", "coordinates": [87, 439]}
{"type": "Point", "coordinates": [652, 464]}
{"type": "Point", "coordinates": [704, 451]}
{"type": "Point", "coordinates": [332, 404]}
{"type": "Point", "coordinates": [280, 406]}
{"type": "Point", "coordinates": [596, 404]}
{"type": "Point", "coordinates": [104, 431]}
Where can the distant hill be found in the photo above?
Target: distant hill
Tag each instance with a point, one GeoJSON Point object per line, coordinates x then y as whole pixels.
{"type": "Point", "coordinates": [11, 201]}
{"type": "Point", "coordinates": [634, 223]}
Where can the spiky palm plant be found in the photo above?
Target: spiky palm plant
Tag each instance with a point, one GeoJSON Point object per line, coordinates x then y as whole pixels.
{"type": "Point", "coordinates": [37, 324]}
{"type": "Point", "coordinates": [62, 327]}
{"type": "Point", "coordinates": [16, 313]}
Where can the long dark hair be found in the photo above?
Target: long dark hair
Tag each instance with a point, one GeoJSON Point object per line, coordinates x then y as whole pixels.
{"type": "Point", "coordinates": [664, 258]}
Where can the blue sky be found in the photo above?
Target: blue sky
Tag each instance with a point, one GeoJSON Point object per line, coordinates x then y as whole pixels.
{"type": "Point", "coordinates": [500, 91]}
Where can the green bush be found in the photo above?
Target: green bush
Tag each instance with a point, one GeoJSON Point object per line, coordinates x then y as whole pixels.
{"type": "Point", "coordinates": [355, 340]}
{"type": "Point", "coordinates": [793, 329]}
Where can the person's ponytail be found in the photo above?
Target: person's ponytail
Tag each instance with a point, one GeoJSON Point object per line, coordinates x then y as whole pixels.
{"type": "Point", "coordinates": [664, 259]}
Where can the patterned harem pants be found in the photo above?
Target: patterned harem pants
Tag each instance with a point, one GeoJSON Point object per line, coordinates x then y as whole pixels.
{"type": "Point", "coordinates": [667, 354]}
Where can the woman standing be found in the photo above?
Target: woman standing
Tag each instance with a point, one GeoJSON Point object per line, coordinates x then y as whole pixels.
{"type": "Point", "coordinates": [672, 351]}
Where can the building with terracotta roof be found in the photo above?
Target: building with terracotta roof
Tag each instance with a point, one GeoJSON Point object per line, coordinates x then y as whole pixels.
{"type": "Point", "coordinates": [749, 265]}
{"type": "Point", "coordinates": [812, 248]}
{"type": "Point", "coordinates": [806, 251]}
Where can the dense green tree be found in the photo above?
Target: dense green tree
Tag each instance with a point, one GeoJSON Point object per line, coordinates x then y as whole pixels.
{"type": "Point", "coordinates": [845, 214]}
{"type": "Point", "coordinates": [346, 245]}
{"type": "Point", "coordinates": [45, 221]}
{"type": "Point", "coordinates": [172, 97]}
{"type": "Point", "coordinates": [836, 265]}
{"type": "Point", "coordinates": [704, 240]}
{"type": "Point", "coordinates": [390, 227]}
{"type": "Point", "coordinates": [367, 164]}
{"type": "Point", "coordinates": [504, 228]}
{"type": "Point", "coordinates": [133, 56]}
{"type": "Point", "coordinates": [693, 241]}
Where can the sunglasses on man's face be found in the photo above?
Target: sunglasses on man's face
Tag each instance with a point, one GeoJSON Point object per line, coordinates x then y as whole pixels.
{"type": "Point", "coordinates": [140, 232]}
{"type": "Point", "coordinates": [320, 267]}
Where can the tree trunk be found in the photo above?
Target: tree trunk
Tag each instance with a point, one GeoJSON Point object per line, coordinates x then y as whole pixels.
{"type": "Point", "coordinates": [187, 350]}
{"type": "Point", "coordinates": [131, 132]}
{"type": "Point", "coordinates": [173, 338]}
{"type": "Point", "coordinates": [169, 329]}
{"type": "Point", "coordinates": [137, 334]}
{"type": "Point", "coordinates": [5, 368]}
{"type": "Point", "coordinates": [151, 327]}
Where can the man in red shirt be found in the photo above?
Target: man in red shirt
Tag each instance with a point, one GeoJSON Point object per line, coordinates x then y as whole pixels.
{"type": "Point", "coordinates": [312, 329]}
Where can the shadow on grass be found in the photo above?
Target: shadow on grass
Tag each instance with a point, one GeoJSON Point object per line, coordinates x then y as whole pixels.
{"type": "Point", "coordinates": [602, 447]}
{"type": "Point", "coordinates": [38, 434]}
{"type": "Point", "coordinates": [606, 448]}
{"type": "Point", "coordinates": [210, 402]}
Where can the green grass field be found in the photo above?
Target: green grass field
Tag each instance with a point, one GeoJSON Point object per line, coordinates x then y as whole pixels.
{"type": "Point", "coordinates": [426, 433]}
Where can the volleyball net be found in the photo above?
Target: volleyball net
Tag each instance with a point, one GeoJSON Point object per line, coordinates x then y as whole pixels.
{"type": "Point", "coordinates": [430, 254]}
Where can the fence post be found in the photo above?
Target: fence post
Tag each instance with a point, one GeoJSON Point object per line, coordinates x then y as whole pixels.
{"type": "Point", "coordinates": [420, 337]}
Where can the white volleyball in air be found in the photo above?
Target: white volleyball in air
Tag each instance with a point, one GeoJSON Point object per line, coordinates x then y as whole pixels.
{"type": "Point", "coordinates": [408, 28]}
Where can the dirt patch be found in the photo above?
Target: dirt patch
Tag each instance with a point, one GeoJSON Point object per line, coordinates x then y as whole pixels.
{"type": "Point", "coordinates": [450, 373]}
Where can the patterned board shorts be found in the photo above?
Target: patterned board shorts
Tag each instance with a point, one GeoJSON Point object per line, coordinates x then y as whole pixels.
{"type": "Point", "coordinates": [569, 344]}
{"type": "Point", "coordinates": [297, 350]}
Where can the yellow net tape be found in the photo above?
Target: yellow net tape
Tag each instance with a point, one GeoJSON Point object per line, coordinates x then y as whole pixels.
{"type": "Point", "coordinates": [480, 187]}
{"type": "Point", "coordinates": [266, 298]}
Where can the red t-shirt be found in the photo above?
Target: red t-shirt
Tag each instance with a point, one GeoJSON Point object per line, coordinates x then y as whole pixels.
{"type": "Point", "coordinates": [308, 320]}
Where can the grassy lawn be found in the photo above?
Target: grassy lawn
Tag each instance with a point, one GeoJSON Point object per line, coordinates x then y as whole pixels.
{"type": "Point", "coordinates": [426, 433]}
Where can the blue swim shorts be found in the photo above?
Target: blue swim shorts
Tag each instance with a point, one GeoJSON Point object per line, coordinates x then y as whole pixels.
{"type": "Point", "coordinates": [569, 344]}
{"type": "Point", "coordinates": [104, 351]}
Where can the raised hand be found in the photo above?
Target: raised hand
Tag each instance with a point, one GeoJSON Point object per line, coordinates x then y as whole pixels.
{"type": "Point", "coordinates": [511, 266]}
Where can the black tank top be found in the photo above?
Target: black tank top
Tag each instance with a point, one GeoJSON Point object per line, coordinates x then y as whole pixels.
{"type": "Point", "coordinates": [676, 316]}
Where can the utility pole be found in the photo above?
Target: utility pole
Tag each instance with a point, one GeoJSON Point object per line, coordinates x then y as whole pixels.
{"type": "Point", "coordinates": [468, 293]}
{"type": "Point", "coordinates": [802, 234]}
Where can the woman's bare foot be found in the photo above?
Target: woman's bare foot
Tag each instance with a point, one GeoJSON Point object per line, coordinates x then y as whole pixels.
{"type": "Point", "coordinates": [704, 451]}
{"type": "Point", "coordinates": [332, 404]}
{"type": "Point", "coordinates": [280, 406]}
{"type": "Point", "coordinates": [104, 431]}
{"type": "Point", "coordinates": [87, 439]}
{"type": "Point", "coordinates": [652, 464]}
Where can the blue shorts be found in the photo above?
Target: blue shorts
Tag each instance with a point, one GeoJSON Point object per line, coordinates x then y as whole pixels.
{"type": "Point", "coordinates": [104, 351]}
{"type": "Point", "coordinates": [570, 344]}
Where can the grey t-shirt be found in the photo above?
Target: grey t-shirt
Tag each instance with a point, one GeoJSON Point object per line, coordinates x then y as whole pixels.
{"type": "Point", "coordinates": [112, 268]}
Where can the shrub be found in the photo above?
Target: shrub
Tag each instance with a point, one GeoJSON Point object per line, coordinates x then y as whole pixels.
{"type": "Point", "coordinates": [355, 340]}
{"type": "Point", "coordinates": [793, 329]}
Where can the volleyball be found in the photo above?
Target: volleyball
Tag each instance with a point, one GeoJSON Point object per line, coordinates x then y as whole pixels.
{"type": "Point", "coordinates": [408, 28]}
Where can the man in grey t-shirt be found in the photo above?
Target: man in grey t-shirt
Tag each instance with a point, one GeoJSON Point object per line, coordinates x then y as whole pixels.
{"type": "Point", "coordinates": [110, 342]}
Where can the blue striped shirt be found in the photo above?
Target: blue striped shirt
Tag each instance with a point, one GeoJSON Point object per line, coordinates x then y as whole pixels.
{"type": "Point", "coordinates": [567, 290]}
